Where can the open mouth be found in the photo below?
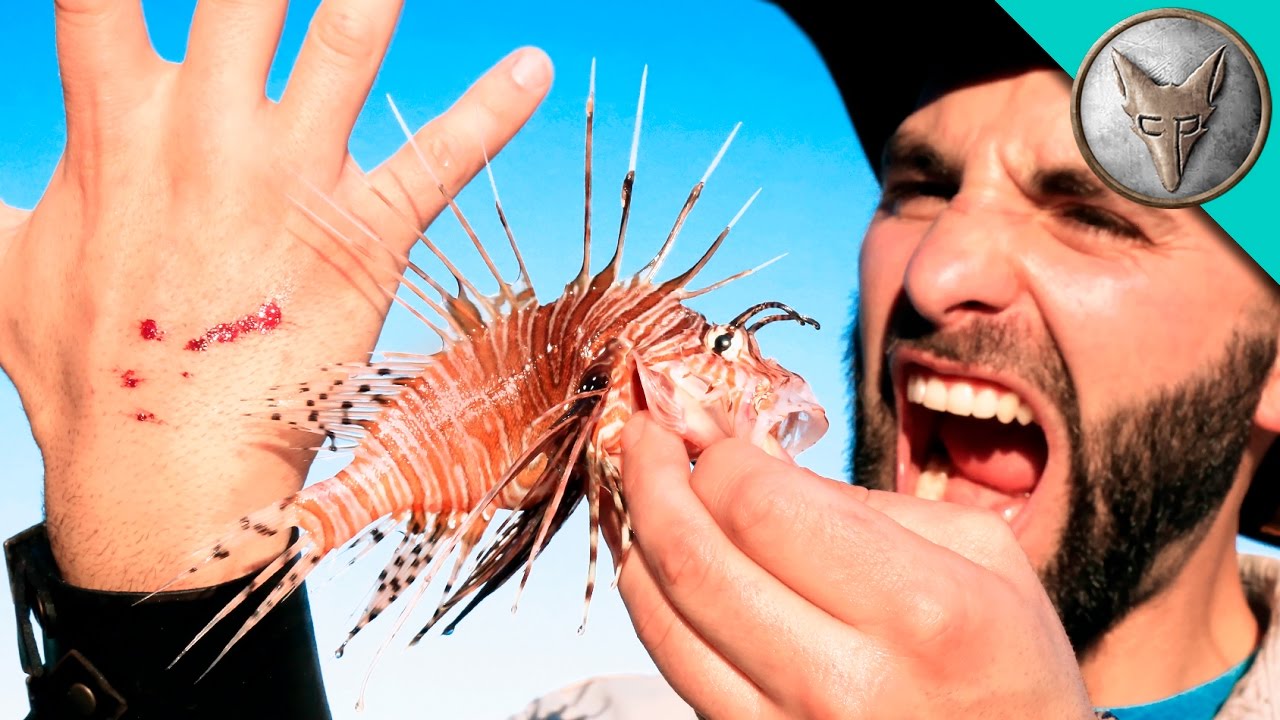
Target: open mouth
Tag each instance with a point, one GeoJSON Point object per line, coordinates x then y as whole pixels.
{"type": "Point", "coordinates": [971, 438]}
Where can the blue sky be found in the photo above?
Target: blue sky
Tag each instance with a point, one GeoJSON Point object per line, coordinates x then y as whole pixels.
{"type": "Point", "coordinates": [711, 65]}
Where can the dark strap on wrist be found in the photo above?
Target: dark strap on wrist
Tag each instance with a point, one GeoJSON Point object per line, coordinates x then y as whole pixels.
{"type": "Point", "coordinates": [106, 657]}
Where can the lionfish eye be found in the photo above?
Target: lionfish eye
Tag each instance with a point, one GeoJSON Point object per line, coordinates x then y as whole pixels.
{"type": "Point", "coordinates": [594, 381]}
{"type": "Point", "coordinates": [724, 341]}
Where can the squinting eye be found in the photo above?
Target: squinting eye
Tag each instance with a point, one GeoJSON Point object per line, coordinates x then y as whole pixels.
{"type": "Point", "coordinates": [916, 199]}
{"type": "Point", "coordinates": [1099, 220]}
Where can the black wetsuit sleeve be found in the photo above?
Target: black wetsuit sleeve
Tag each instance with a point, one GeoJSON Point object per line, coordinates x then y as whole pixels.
{"type": "Point", "coordinates": [105, 655]}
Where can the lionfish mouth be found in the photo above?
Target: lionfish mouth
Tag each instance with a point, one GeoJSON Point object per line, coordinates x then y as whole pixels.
{"type": "Point", "coordinates": [735, 392]}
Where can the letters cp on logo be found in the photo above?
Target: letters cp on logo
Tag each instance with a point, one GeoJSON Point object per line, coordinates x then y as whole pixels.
{"type": "Point", "coordinates": [1171, 108]}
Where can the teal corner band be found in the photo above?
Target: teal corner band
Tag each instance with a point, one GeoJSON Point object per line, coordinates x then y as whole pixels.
{"type": "Point", "coordinates": [1068, 31]}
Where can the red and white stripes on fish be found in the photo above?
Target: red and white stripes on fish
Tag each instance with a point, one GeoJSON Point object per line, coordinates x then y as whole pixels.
{"type": "Point", "coordinates": [520, 411]}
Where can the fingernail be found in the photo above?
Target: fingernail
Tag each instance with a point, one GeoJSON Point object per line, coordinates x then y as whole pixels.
{"type": "Point", "coordinates": [533, 70]}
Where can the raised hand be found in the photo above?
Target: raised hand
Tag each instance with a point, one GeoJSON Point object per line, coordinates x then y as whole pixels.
{"type": "Point", "coordinates": [174, 203]}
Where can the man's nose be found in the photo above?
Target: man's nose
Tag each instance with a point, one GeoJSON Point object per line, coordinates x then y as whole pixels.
{"type": "Point", "coordinates": [966, 262]}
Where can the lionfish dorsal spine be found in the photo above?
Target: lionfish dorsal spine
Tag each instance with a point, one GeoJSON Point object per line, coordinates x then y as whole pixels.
{"type": "Point", "coordinates": [628, 182]}
{"type": "Point", "coordinates": [580, 282]}
{"type": "Point", "coordinates": [650, 270]}
{"type": "Point", "coordinates": [525, 293]}
{"type": "Point", "coordinates": [503, 287]}
{"type": "Point", "coordinates": [683, 278]}
{"type": "Point", "coordinates": [351, 245]}
{"type": "Point", "coordinates": [459, 316]}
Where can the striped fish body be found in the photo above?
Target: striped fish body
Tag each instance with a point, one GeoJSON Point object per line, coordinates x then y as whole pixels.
{"type": "Point", "coordinates": [522, 411]}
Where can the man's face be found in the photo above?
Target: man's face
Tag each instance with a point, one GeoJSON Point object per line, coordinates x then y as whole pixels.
{"type": "Point", "coordinates": [1032, 343]}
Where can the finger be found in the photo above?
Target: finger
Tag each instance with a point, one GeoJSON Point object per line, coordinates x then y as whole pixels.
{"type": "Point", "coordinates": [481, 122]}
{"type": "Point", "coordinates": [890, 574]}
{"type": "Point", "coordinates": [104, 58]}
{"type": "Point", "coordinates": [701, 676]}
{"type": "Point", "coordinates": [12, 217]}
{"type": "Point", "coordinates": [231, 46]}
{"type": "Point", "coordinates": [729, 601]}
{"type": "Point", "coordinates": [336, 67]}
{"type": "Point", "coordinates": [979, 535]}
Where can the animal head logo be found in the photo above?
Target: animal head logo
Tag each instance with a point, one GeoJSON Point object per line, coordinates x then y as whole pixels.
{"type": "Point", "coordinates": [1170, 118]}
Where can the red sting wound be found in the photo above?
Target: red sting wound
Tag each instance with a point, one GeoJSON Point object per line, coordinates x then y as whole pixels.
{"type": "Point", "coordinates": [266, 319]}
{"type": "Point", "coordinates": [150, 331]}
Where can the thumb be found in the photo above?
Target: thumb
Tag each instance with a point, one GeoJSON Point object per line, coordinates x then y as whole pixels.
{"type": "Point", "coordinates": [11, 219]}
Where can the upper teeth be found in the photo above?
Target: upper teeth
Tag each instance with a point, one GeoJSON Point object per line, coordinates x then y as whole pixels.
{"type": "Point", "coordinates": [959, 397]}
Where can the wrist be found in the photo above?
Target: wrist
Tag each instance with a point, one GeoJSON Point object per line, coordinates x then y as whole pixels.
{"type": "Point", "coordinates": [125, 511]}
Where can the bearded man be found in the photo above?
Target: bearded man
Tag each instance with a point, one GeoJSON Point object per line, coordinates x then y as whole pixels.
{"type": "Point", "coordinates": [1089, 384]}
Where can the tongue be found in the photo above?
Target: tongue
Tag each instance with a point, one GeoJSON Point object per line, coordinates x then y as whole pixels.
{"type": "Point", "coordinates": [1006, 458]}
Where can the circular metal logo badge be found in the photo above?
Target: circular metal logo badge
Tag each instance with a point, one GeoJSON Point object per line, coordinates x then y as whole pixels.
{"type": "Point", "coordinates": [1171, 108]}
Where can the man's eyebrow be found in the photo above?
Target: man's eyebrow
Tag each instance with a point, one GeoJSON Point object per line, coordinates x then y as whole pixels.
{"type": "Point", "coordinates": [1066, 182]}
{"type": "Point", "coordinates": [905, 152]}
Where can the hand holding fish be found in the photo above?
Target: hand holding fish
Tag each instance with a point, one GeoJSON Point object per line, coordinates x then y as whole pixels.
{"type": "Point", "coordinates": [764, 591]}
{"type": "Point", "coordinates": [168, 230]}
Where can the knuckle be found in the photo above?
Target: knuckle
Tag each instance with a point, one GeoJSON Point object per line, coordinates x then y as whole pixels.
{"type": "Point", "coordinates": [443, 148]}
{"type": "Point", "coordinates": [85, 8]}
{"type": "Point", "coordinates": [726, 452]}
{"type": "Point", "coordinates": [933, 620]}
{"type": "Point", "coordinates": [758, 507]}
{"type": "Point", "coordinates": [347, 34]}
{"type": "Point", "coordinates": [684, 566]}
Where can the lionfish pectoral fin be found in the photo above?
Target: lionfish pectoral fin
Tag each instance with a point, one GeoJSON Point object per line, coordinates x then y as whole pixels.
{"type": "Point", "coordinates": [263, 578]}
{"type": "Point", "coordinates": [507, 556]}
{"type": "Point", "coordinates": [414, 553]}
{"type": "Point", "coordinates": [341, 401]}
{"type": "Point", "coordinates": [515, 543]}
{"type": "Point", "coordinates": [593, 525]}
{"type": "Point", "coordinates": [471, 537]}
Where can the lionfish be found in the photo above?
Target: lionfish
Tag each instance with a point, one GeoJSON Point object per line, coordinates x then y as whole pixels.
{"type": "Point", "coordinates": [522, 410]}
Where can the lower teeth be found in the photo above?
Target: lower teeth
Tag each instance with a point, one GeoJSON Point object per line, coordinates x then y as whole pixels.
{"type": "Point", "coordinates": [932, 485]}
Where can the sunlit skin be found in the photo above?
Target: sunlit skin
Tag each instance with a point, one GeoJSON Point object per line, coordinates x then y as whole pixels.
{"type": "Point", "coordinates": [1135, 298]}
{"type": "Point", "coordinates": [788, 595]}
{"type": "Point", "coordinates": [162, 210]}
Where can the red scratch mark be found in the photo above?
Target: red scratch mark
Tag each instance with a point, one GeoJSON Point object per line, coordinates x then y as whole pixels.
{"type": "Point", "coordinates": [266, 319]}
{"type": "Point", "coordinates": [144, 416]}
{"type": "Point", "coordinates": [186, 374]}
{"type": "Point", "coordinates": [129, 380]}
{"type": "Point", "coordinates": [150, 331]}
